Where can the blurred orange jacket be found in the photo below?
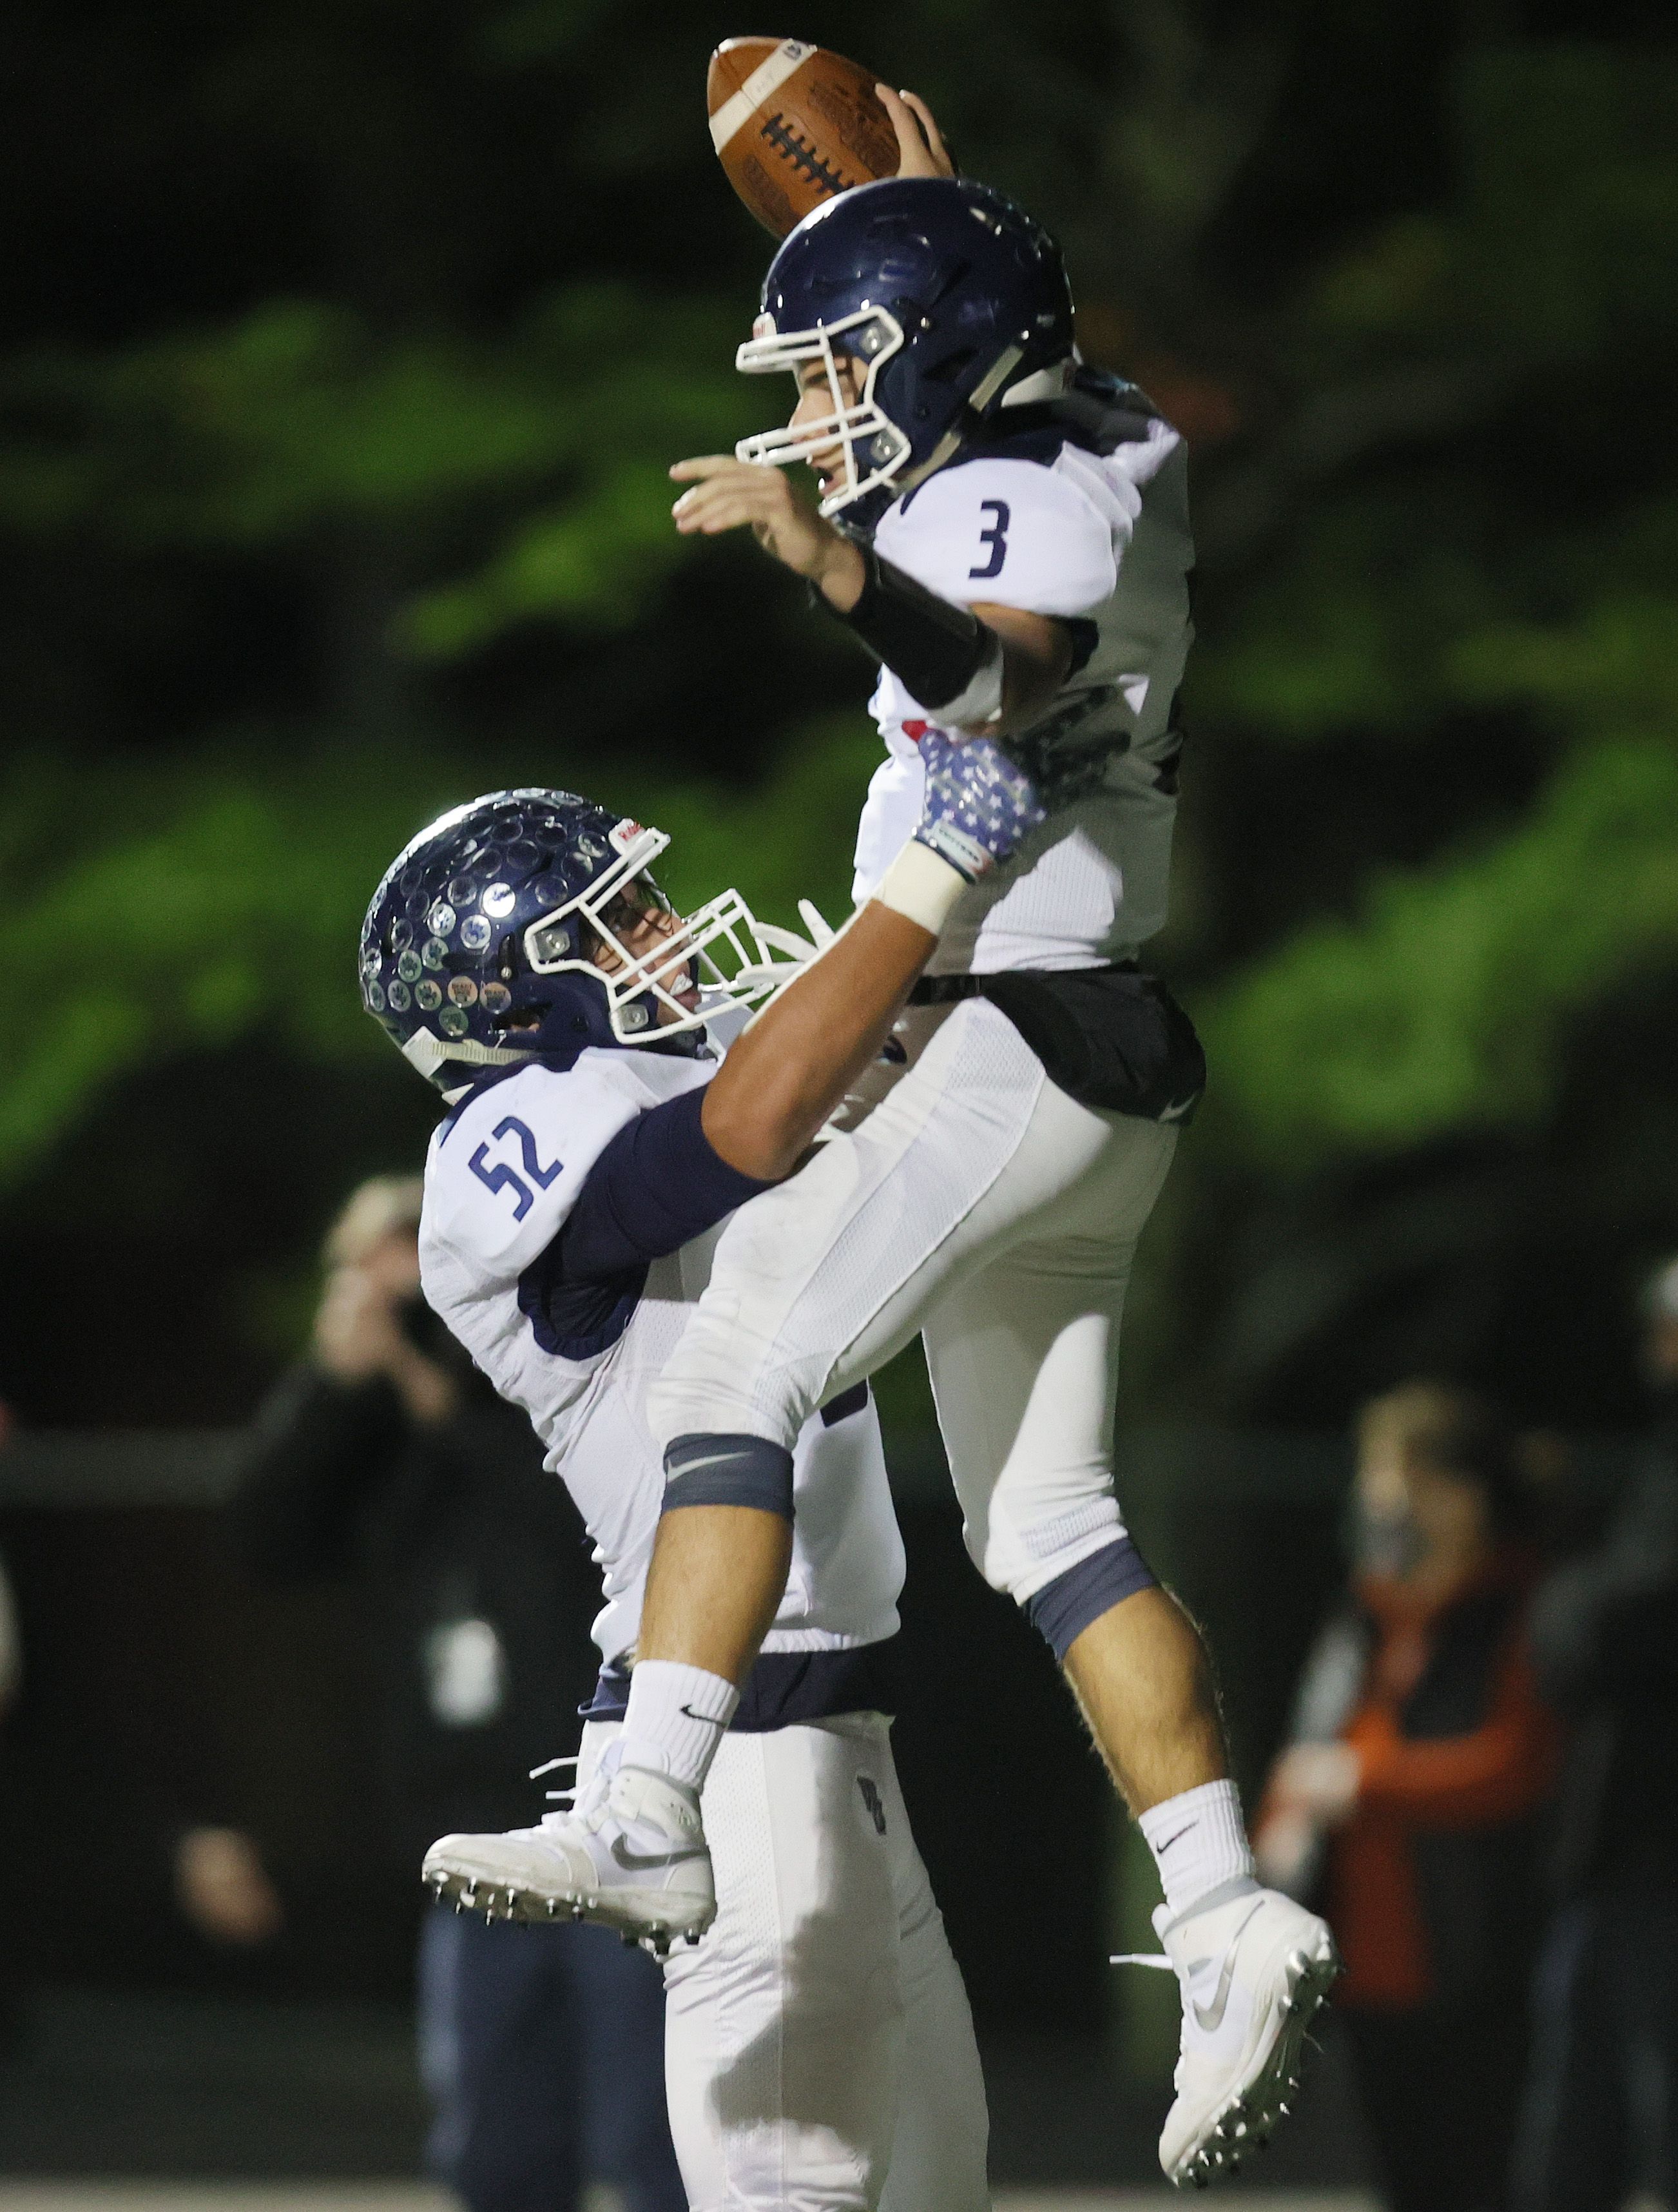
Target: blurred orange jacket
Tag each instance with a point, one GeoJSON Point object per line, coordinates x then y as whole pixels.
{"type": "Point", "coordinates": [1417, 1783]}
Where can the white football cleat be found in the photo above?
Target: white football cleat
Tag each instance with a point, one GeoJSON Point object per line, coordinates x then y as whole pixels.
{"type": "Point", "coordinates": [630, 1854]}
{"type": "Point", "coordinates": [1253, 1967]}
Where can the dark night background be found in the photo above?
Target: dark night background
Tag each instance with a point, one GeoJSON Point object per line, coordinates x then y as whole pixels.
{"type": "Point", "coordinates": [343, 349]}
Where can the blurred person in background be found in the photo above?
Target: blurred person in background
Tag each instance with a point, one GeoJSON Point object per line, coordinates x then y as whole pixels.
{"type": "Point", "coordinates": [1421, 1749]}
{"type": "Point", "coordinates": [1600, 2118]}
{"type": "Point", "coordinates": [387, 1456]}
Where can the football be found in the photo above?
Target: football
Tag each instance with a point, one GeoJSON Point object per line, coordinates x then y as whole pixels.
{"type": "Point", "coordinates": [793, 124]}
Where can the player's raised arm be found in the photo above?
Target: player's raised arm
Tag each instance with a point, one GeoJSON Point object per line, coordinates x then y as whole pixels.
{"type": "Point", "coordinates": [987, 668]}
{"type": "Point", "coordinates": [893, 384]}
{"type": "Point", "coordinates": [792, 1067]}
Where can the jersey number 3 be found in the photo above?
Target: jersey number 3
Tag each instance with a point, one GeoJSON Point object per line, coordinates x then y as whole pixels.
{"type": "Point", "coordinates": [995, 537]}
{"type": "Point", "coordinates": [498, 1175]}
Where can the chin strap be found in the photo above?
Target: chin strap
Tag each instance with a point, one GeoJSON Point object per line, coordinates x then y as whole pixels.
{"type": "Point", "coordinates": [428, 1054]}
{"type": "Point", "coordinates": [1053, 383]}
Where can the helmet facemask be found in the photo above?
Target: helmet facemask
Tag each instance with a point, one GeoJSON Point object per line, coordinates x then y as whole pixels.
{"type": "Point", "coordinates": [720, 951]}
{"type": "Point", "coordinates": [871, 336]}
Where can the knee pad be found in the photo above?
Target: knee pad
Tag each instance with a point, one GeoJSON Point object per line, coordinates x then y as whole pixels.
{"type": "Point", "coordinates": [1065, 1606]}
{"type": "Point", "coordinates": [728, 1470]}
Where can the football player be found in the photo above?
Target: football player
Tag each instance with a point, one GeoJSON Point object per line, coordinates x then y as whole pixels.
{"type": "Point", "coordinates": [1006, 533]}
{"type": "Point", "coordinates": [520, 954]}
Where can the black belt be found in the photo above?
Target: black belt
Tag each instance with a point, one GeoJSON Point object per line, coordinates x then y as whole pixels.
{"type": "Point", "coordinates": [1110, 1037]}
{"type": "Point", "coordinates": [946, 990]}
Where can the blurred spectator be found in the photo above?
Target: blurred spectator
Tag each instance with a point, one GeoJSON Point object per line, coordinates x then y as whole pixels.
{"type": "Point", "coordinates": [388, 1457]}
{"type": "Point", "coordinates": [1420, 1749]}
{"type": "Point", "coordinates": [223, 1888]}
{"type": "Point", "coordinates": [1601, 2119]}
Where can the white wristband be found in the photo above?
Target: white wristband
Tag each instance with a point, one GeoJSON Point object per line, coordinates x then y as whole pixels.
{"type": "Point", "coordinates": [922, 885]}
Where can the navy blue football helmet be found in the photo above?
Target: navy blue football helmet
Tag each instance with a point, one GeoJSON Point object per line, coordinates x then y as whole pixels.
{"type": "Point", "coordinates": [493, 939]}
{"type": "Point", "coordinates": [951, 295]}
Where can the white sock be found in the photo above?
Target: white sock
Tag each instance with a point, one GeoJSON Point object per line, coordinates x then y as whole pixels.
{"type": "Point", "coordinates": [1198, 1842]}
{"type": "Point", "coordinates": [675, 1719]}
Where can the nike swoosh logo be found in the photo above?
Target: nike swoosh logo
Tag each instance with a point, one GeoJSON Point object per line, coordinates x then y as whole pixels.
{"type": "Point", "coordinates": [693, 1466]}
{"type": "Point", "coordinates": [1211, 2017]}
{"type": "Point", "coordinates": [640, 1862]}
{"type": "Point", "coordinates": [1169, 1841]}
{"type": "Point", "coordinates": [706, 1717]}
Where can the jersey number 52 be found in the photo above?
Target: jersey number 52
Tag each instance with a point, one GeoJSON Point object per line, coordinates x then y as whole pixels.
{"type": "Point", "coordinates": [496, 1174]}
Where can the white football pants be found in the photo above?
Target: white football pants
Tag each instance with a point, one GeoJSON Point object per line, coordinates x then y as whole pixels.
{"type": "Point", "coordinates": [969, 1198]}
{"type": "Point", "coordinates": [819, 2049]}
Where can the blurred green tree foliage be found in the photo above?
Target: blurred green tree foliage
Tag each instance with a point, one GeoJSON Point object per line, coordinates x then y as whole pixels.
{"type": "Point", "coordinates": [340, 377]}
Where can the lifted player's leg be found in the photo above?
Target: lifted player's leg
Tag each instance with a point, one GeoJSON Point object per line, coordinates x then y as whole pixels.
{"type": "Point", "coordinates": [743, 1549]}
{"type": "Point", "coordinates": [1252, 1966]}
{"type": "Point", "coordinates": [813, 1286]}
{"type": "Point", "coordinates": [1023, 1356]}
{"type": "Point", "coordinates": [1143, 1683]}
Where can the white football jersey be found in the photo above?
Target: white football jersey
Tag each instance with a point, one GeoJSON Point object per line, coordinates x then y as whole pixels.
{"type": "Point", "coordinates": [1087, 519]}
{"type": "Point", "coordinates": [501, 1176]}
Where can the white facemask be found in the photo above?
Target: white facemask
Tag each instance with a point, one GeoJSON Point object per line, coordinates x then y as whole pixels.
{"type": "Point", "coordinates": [733, 957]}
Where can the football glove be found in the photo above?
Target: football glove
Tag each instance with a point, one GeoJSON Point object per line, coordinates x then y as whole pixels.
{"type": "Point", "coordinates": [979, 808]}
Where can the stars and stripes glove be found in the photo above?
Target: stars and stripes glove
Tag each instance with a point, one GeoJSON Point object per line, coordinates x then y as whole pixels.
{"type": "Point", "coordinates": [978, 808]}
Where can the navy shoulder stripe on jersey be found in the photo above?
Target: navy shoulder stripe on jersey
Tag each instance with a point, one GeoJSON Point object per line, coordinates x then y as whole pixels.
{"type": "Point", "coordinates": [1099, 414]}
{"type": "Point", "coordinates": [655, 1186]}
{"type": "Point", "coordinates": [577, 1321]}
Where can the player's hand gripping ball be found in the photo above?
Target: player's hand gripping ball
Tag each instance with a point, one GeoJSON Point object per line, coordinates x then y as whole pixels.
{"type": "Point", "coordinates": [795, 125]}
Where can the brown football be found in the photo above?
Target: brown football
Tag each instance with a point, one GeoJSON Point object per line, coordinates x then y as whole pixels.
{"type": "Point", "coordinates": [793, 124]}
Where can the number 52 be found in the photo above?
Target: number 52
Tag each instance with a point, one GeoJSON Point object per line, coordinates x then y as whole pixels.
{"type": "Point", "coordinates": [498, 1175]}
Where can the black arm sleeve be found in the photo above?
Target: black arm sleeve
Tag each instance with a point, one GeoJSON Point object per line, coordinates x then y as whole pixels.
{"type": "Point", "coordinates": [655, 1186]}
{"type": "Point", "coordinates": [934, 646]}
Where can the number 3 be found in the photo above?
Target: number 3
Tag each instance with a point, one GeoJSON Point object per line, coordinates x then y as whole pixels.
{"type": "Point", "coordinates": [500, 1176]}
{"type": "Point", "coordinates": [995, 537]}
